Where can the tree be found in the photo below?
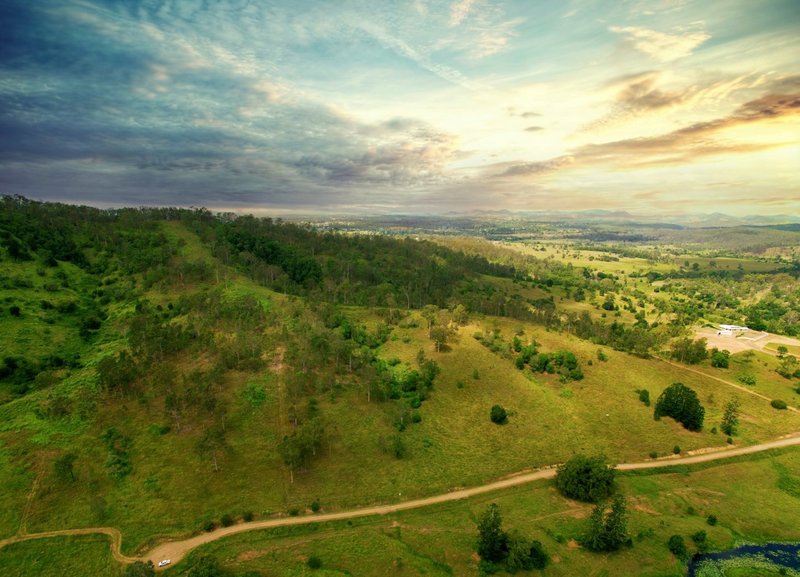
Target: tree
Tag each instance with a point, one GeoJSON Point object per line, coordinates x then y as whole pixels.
{"type": "Point", "coordinates": [439, 336]}
{"type": "Point", "coordinates": [681, 403]}
{"type": "Point", "coordinates": [586, 478]}
{"type": "Point", "coordinates": [140, 569]}
{"type": "Point", "coordinates": [524, 554]}
{"type": "Point", "coordinates": [730, 419]}
{"type": "Point", "coordinates": [720, 359]}
{"type": "Point", "coordinates": [291, 453]}
{"type": "Point", "coordinates": [677, 546]}
{"type": "Point", "coordinates": [688, 351]}
{"type": "Point", "coordinates": [607, 532]}
{"type": "Point", "coordinates": [498, 415]}
{"type": "Point", "coordinates": [64, 467]}
{"type": "Point", "coordinates": [492, 540]}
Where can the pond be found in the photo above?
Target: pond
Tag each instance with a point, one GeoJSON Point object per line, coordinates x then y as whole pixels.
{"type": "Point", "coordinates": [776, 554]}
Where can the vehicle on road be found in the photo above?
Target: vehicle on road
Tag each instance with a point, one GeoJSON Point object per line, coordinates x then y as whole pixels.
{"type": "Point", "coordinates": [164, 563]}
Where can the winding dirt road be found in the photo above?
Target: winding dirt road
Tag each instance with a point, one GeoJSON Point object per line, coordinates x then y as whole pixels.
{"type": "Point", "coordinates": [177, 550]}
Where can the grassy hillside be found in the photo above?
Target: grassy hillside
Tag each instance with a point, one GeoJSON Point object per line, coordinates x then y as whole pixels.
{"type": "Point", "coordinates": [166, 371]}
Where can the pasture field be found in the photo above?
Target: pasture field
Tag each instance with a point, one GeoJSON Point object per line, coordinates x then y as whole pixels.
{"type": "Point", "coordinates": [440, 540]}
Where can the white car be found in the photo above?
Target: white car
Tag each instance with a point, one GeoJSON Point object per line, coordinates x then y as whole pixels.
{"type": "Point", "coordinates": [164, 563]}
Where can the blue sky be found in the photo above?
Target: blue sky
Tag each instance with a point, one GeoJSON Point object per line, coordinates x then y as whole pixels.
{"type": "Point", "coordinates": [665, 107]}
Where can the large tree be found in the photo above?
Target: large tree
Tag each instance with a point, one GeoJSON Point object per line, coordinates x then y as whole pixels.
{"type": "Point", "coordinates": [681, 403]}
{"type": "Point", "coordinates": [607, 531]}
{"type": "Point", "coordinates": [492, 540]}
{"type": "Point", "coordinates": [586, 478]}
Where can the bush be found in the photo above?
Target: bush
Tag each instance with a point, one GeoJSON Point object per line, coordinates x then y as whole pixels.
{"type": "Point", "coordinates": [778, 404]}
{"type": "Point", "coordinates": [676, 450]}
{"type": "Point", "coordinates": [498, 415]}
{"type": "Point", "coordinates": [747, 380]}
{"type": "Point", "coordinates": [653, 454]}
{"type": "Point", "coordinates": [209, 526]}
{"type": "Point", "coordinates": [247, 516]}
{"type": "Point", "coordinates": [586, 478]}
{"type": "Point", "coordinates": [315, 506]}
{"type": "Point", "coordinates": [720, 359]}
{"type": "Point", "coordinates": [14, 311]}
{"type": "Point", "coordinates": [677, 546]}
{"type": "Point", "coordinates": [681, 403]}
{"type": "Point", "coordinates": [644, 397]}
{"type": "Point", "coordinates": [701, 540]}
{"type": "Point", "coordinates": [314, 562]}
{"type": "Point", "coordinates": [226, 520]}
{"type": "Point", "coordinates": [711, 520]}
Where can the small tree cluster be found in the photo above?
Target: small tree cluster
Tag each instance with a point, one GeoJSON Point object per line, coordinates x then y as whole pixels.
{"type": "Point", "coordinates": [607, 531]}
{"type": "Point", "coordinates": [515, 551]}
{"type": "Point", "coordinates": [586, 478]}
{"type": "Point", "coordinates": [681, 403]}
{"type": "Point", "coordinates": [565, 363]}
{"type": "Point", "coordinates": [688, 351]}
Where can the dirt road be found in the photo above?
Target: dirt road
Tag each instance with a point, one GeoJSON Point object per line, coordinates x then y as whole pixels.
{"type": "Point", "coordinates": [177, 550]}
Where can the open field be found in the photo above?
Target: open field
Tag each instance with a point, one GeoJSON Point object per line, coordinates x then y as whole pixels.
{"type": "Point", "coordinates": [439, 540]}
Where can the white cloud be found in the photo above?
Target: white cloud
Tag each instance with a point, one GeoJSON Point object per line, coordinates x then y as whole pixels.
{"type": "Point", "coordinates": [662, 46]}
{"type": "Point", "coordinates": [459, 10]}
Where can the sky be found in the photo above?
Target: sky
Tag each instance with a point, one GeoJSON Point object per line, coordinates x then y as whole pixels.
{"type": "Point", "coordinates": [416, 106]}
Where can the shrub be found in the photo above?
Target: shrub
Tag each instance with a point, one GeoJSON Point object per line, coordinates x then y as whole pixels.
{"type": "Point", "coordinates": [209, 526]}
{"type": "Point", "coordinates": [14, 311]}
{"type": "Point", "coordinates": [314, 562]}
{"type": "Point", "coordinates": [778, 404]}
{"type": "Point", "coordinates": [585, 478]}
{"type": "Point", "coordinates": [677, 546]}
{"type": "Point", "coordinates": [701, 540]}
{"type": "Point", "coordinates": [711, 520]}
{"type": "Point", "coordinates": [226, 520]}
{"type": "Point", "coordinates": [315, 506]}
{"type": "Point", "coordinates": [653, 454]}
{"type": "Point", "coordinates": [747, 380]}
{"type": "Point", "coordinates": [644, 397]}
{"type": "Point", "coordinates": [676, 450]}
{"type": "Point", "coordinates": [247, 516]}
{"type": "Point", "coordinates": [498, 415]}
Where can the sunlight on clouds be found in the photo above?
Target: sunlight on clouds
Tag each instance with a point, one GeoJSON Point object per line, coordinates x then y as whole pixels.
{"type": "Point", "coordinates": [661, 46]}
{"type": "Point", "coordinates": [446, 105]}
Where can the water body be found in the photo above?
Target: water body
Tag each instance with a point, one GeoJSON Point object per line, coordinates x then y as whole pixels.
{"type": "Point", "coordinates": [780, 554]}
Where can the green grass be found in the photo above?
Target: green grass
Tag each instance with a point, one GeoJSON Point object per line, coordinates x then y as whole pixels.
{"type": "Point", "coordinates": [791, 349]}
{"type": "Point", "coordinates": [440, 540]}
{"type": "Point", "coordinates": [85, 556]}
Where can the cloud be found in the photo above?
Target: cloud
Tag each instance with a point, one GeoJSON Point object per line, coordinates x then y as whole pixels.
{"type": "Point", "coordinates": [537, 168]}
{"type": "Point", "coordinates": [493, 39]}
{"type": "Point", "coordinates": [662, 46]}
{"type": "Point", "coordinates": [679, 147]}
{"type": "Point", "coordinates": [636, 94]}
{"type": "Point", "coordinates": [459, 10]}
